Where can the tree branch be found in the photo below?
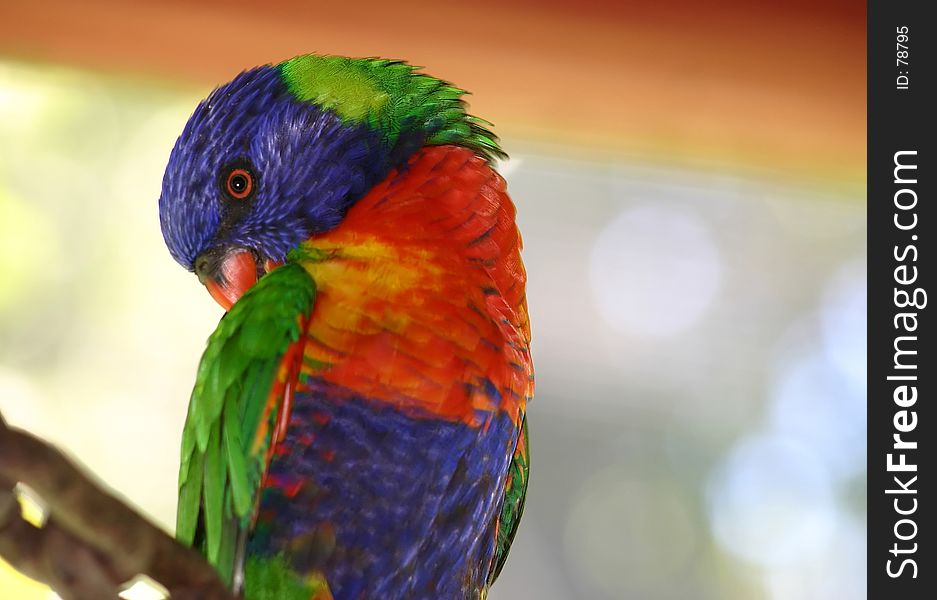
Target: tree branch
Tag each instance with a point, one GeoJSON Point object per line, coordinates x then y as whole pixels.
{"type": "Point", "coordinates": [92, 542]}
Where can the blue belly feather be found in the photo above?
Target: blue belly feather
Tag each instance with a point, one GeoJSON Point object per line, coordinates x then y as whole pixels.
{"type": "Point", "coordinates": [382, 503]}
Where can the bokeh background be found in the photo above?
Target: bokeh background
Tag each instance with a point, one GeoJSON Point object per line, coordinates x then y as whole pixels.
{"type": "Point", "coordinates": [690, 183]}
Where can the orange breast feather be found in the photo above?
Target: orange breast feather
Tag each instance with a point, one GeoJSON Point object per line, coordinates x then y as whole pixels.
{"type": "Point", "coordinates": [421, 293]}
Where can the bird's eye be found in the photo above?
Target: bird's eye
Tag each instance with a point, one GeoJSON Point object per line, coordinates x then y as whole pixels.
{"type": "Point", "coordinates": [239, 184]}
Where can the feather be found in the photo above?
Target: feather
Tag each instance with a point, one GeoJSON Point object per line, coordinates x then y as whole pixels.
{"type": "Point", "coordinates": [190, 496]}
{"type": "Point", "coordinates": [237, 468]}
{"type": "Point", "coordinates": [235, 397]}
{"type": "Point", "coordinates": [214, 487]}
{"type": "Point", "coordinates": [392, 97]}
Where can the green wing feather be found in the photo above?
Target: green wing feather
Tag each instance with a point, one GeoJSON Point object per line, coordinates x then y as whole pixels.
{"type": "Point", "coordinates": [512, 508]}
{"type": "Point", "coordinates": [221, 468]}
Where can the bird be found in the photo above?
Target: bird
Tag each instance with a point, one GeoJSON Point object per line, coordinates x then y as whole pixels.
{"type": "Point", "coordinates": [357, 428]}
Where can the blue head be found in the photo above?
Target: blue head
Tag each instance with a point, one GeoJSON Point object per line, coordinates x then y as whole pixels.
{"type": "Point", "coordinates": [258, 170]}
{"type": "Point", "coordinates": [282, 151]}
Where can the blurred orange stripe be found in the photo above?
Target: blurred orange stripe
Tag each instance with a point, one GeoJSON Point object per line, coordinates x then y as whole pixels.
{"type": "Point", "coordinates": [772, 89]}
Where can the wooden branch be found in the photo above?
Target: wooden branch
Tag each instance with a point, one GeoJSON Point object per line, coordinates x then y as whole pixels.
{"type": "Point", "coordinates": [92, 542]}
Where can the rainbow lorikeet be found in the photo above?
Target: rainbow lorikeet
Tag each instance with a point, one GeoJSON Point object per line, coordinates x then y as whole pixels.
{"type": "Point", "coordinates": [357, 427]}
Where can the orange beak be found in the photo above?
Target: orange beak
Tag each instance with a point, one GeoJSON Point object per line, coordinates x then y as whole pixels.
{"type": "Point", "coordinates": [237, 273]}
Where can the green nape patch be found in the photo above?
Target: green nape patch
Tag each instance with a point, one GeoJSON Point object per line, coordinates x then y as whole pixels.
{"type": "Point", "coordinates": [391, 97]}
{"type": "Point", "coordinates": [271, 578]}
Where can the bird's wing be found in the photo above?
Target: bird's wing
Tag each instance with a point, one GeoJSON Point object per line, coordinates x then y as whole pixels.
{"type": "Point", "coordinates": [512, 507]}
{"type": "Point", "coordinates": [237, 410]}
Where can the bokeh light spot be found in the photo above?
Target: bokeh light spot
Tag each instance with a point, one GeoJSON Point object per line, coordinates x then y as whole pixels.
{"type": "Point", "coordinates": [771, 502]}
{"type": "Point", "coordinates": [144, 588]}
{"type": "Point", "coordinates": [813, 403]}
{"type": "Point", "coordinates": [654, 270]}
{"type": "Point", "coordinates": [27, 244]}
{"type": "Point", "coordinates": [844, 322]}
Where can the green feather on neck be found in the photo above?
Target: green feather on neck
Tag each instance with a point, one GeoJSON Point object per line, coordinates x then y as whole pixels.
{"type": "Point", "coordinates": [391, 97]}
